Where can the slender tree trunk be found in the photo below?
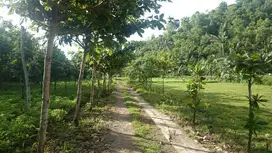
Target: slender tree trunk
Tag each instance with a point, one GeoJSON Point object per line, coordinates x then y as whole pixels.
{"type": "Point", "coordinates": [150, 86]}
{"type": "Point", "coordinates": [163, 84]}
{"type": "Point", "coordinates": [194, 116]}
{"type": "Point", "coordinates": [93, 85]}
{"type": "Point", "coordinates": [99, 87]}
{"type": "Point", "coordinates": [250, 115]}
{"type": "Point", "coordinates": [110, 82]}
{"type": "Point", "coordinates": [46, 84]}
{"type": "Point", "coordinates": [28, 98]}
{"type": "Point", "coordinates": [104, 82]}
{"type": "Point", "coordinates": [79, 87]}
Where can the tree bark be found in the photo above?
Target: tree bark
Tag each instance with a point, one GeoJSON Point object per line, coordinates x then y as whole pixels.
{"type": "Point", "coordinates": [93, 85]}
{"type": "Point", "coordinates": [163, 84]}
{"type": "Point", "coordinates": [28, 98]}
{"type": "Point", "coordinates": [110, 82]}
{"type": "Point", "coordinates": [79, 87]}
{"type": "Point", "coordinates": [99, 86]}
{"type": "Point", "coordinates": [46, 84]}
{"type": "Point", "coordinates": [250, 115]}
{"type": "Point", "coordinates": [104, 82]}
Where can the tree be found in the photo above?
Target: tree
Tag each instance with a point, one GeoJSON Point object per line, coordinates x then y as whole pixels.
{"type": "Point", "coordinates": [53, 16]}
{"type": "Point", "coordinates": [27, 86]}
{"type": "Point", "coordinates": [251, 66]}
{"type": "Point", "coordinates": [165, 65]}
{"type": "Point", "coordinates": [193, 87]}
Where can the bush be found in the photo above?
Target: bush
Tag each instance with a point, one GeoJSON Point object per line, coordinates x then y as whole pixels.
{"type": "Point", "coordinates": [57, 115]}
{"type": "Point", "coordinates": [17, 133]}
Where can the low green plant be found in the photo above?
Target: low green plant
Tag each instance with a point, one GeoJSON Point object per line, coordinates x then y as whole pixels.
{"type": "Point", "coordinates": [57, 115]}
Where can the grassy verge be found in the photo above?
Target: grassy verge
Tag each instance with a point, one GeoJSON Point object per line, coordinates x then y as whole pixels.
{"type": "Point", "coordinates": [224, 112]}
{"type": "Point", "coordinates": [144, 132]}
{"type": "Point", "coordinates": [18, 129]}
{"type": "Point", "coordinates": [88, 136]}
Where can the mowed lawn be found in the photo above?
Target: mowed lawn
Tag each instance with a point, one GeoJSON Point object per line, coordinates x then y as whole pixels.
{"type": "Point", "coordinates": [224, 110]}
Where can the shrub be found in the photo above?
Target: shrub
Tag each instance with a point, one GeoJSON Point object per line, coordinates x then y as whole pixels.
{"type": "Point", "coordinates": [57, 115]}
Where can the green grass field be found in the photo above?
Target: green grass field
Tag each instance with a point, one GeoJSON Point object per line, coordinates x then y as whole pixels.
{"type": "Point", "coordinates": [224, 110]}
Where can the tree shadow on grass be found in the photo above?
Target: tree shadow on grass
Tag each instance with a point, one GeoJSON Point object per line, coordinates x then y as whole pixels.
{"type": "Point", "coordinates": [221, 114]}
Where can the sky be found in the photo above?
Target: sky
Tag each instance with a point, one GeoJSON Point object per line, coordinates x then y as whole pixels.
{"type": "Point", "coordinates": [177, 9]}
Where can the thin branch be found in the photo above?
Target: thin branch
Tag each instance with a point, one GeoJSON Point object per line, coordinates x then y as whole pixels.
{"type": "Point", "coordinates": [100, 3]}
{"type": "Point", "coordinates": [78, 42]}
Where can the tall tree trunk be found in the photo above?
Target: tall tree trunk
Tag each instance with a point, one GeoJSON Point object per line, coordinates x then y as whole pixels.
{"type": "Point", "coordinates": [28, 98]}
{"type": "Point", "coordinates": [163, 84]}
{"type": "Point", "coordinates": [250, 115]}
{"type": "Point", "coordinates": [99, 87]}
{"type": "Point", "coordinates": [46, 84]}
{"type": "Point", "coordinates": [79, 87]}
{"type": "Point", "coordinates": [104, 82]}
{"type": "Point", "coordinates": [110, 82]}
{"type": "Point", "coordinates": [93, 85]}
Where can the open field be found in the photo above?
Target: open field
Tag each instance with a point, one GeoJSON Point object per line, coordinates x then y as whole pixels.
{"type": "Point", "coordinates": [224, 111]}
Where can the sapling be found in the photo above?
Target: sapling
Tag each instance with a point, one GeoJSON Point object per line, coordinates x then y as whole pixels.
{"type": "Point", "coordinates": [193, 87]}
{"type": "Point", "coordinates": [251, 66]}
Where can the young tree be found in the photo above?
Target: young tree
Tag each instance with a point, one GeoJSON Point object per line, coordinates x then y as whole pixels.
{"type": "Point", "coordinates": [165, 64]}
{"type": "Point", "coordinates": [194, 86]}
{"type": "Point", "coordinates": [54, 16]}
{"type": "Point", "coordinates": [27, 86]}
{"type": "Point", "coordinates": [251, 66]}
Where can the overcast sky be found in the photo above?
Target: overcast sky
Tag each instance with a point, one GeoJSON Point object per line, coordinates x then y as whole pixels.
{"type": "Point", "coordinates": [177, 9]}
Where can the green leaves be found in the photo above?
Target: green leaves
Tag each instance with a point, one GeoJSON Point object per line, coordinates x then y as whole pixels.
{"type": "Point", "coordinates": [256, 100]}
{"type": "Point", "coordinates": [194, 85]}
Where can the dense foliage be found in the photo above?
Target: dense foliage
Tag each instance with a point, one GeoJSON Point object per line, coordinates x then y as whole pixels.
{"type": "Point", "coordinates": [10, 58]}
{"type": "Point", "coordinates": [210, 38]}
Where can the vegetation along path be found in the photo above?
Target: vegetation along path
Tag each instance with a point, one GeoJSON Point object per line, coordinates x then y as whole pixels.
{"type": "Point", "coordinates": [174, 135]}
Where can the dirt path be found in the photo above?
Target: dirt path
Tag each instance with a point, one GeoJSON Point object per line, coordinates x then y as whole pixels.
{"type": "Point", "coordinates": [121, 134]}
{"type": "Point", "coordinates": [175, 135]}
